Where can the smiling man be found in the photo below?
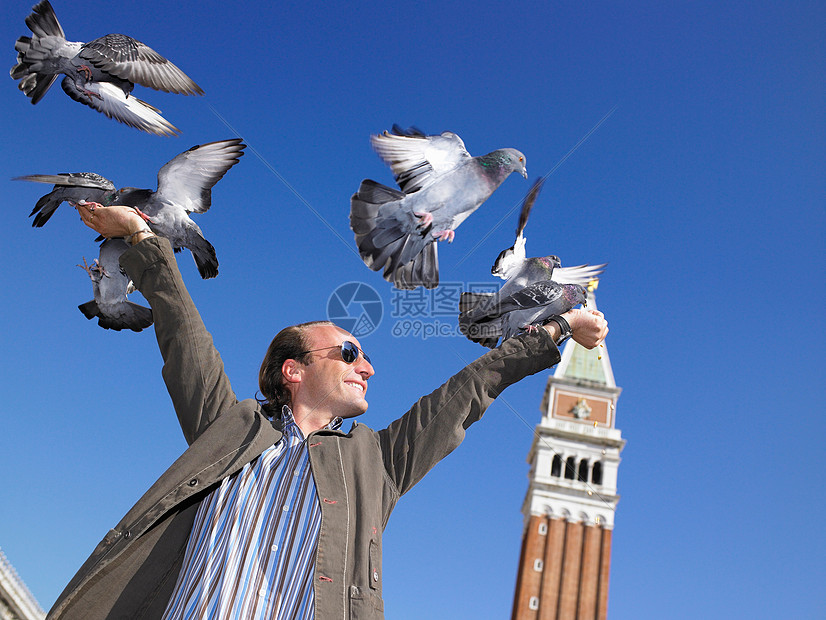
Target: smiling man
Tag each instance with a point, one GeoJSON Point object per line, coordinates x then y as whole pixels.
{"type": "Point", "coordinates": [274, 511]}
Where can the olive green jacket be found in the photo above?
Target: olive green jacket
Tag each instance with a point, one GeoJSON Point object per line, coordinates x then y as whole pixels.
{"type": "Point", "coordinates": [359, 475]}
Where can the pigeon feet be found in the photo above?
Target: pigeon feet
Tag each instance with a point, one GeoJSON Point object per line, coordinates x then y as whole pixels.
{"type": "Point", "coordinates": [86, 71]}
{"type": "Point", "coordinates": [426, 219]}
{"type": "Point", "coordinates": [85, 266]}
{"type": "Point", "coordinates": [143, 215]}
{"type": "Point", "coordinates": [443, 235]}
{"type": "Point", "coordinates": [95, 267]}
{"type": "Point", "coordinates": [531, 328]}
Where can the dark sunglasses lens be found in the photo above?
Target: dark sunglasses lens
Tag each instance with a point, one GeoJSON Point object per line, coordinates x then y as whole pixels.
{"type": "Point", "coordinates": [349, 352]}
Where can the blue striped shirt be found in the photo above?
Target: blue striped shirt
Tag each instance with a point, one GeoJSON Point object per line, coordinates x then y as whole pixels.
{"type": "Point", "coordinates": [251, 552]}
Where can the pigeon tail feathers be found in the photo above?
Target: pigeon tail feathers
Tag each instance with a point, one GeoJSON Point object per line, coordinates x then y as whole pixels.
{"type": "Point", "coordinates": [42, 21]}
{"type": "Point", "coordinates": [205, 258]}
{"type": "Point", "coordinates": [409, 259]}
{"type": "Point", "coordinates": [139, 316]}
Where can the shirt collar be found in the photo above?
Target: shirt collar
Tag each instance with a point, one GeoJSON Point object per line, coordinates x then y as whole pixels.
{"type": "Point", "coordinates": [290, 426]}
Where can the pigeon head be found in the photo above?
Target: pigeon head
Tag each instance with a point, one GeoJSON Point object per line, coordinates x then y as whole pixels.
{"type": "Point", "coordinates": [514, 161]}
{"type": "Point", "coordinates": [551, 262]}
{"type": "Point", "coordinates": [576, 294]}
{"type": "Point", "coordinates": [499, 164]}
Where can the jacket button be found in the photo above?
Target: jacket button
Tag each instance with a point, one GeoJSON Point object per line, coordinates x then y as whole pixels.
{"type": "Point", "coordinates": [375, 575]}
{"type": "Point", "coordinates": [127, 535]}
{"type": "Point", "coordinates": [193, 482]}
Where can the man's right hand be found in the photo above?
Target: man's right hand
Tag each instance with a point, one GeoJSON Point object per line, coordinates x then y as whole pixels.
{"type": "Point", "coordinates": [589, 326]}
{"type": "Point", "coordinates": [116, 221]}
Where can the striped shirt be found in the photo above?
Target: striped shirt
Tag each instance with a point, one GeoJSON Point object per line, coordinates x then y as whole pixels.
{"type": "Point", "coordinates": [251, 552]}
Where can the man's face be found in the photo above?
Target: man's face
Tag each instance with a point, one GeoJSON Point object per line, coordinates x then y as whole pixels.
{"type": "Point", "coordinates": [328, 380]}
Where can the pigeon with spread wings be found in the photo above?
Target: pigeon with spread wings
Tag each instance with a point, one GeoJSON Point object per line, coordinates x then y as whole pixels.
{"type": "Point", "coordinates": [440, 183]}
{"type": "Point", "coordinates": [100, 74]}
{"type": "Point", "coordinates": [534, 289]}
{"type": "Point", "coordinates": [184, 186]}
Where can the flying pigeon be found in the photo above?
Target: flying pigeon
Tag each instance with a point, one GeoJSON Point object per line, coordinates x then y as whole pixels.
{"type": "Point", "coordinates": [184, 186]}
{"type": "Point", "coordinates": [100, 74]}
{"type": "Point", "coordinates": [441, 185]}
{"type": "Point", "coordinates": [513, 266]}
{"type": "Point", "coordinates": [535, 289]}
{"type": "Point", "coordinates": [111, 285]}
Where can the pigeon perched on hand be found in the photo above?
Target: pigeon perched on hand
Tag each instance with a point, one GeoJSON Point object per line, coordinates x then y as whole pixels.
{"type": "Point", "coordinates": [100, 74]}
{"type": "Point", "coordinates": [441, 185]}
{"type": "Point", "coordinates": [535, 289]}
{"type": "Point", "coordinates": [184, 186]}
{"type": "Point", "coordinates": [111, 285]}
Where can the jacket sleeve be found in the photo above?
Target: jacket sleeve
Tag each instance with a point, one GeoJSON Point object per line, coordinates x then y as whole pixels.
{"type": "Point", "coordinates": [192, 370]}
{"type": "Point", "coordinates": [436, 424]}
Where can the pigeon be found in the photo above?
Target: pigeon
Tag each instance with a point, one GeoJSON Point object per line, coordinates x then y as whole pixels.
{"type": "Point", "coordinates": [71, 187]}
{"type": "Point", "coordinates": [535, 289]}
{"type": "Point", "coordinates": [184, 186]}
{"type": "Point", "coordinates": [100, 74]}
{"type": "Point", "coordinates": [440, 183]}
{"type": "Point", "coordinates": [512, 264]}
{"type": "Point", "coordinates": [485, 317]}
{"type": "Point", "coordinates": [111, 286]}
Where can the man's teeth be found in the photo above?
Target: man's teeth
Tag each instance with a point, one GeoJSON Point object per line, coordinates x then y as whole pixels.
{"type": "Point", "coordinates": [358, 386]}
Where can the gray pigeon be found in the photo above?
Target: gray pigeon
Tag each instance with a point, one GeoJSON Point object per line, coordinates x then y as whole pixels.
{"type": "Point", "coordinates": [485, 317]}
{"type": "Point", "coordinates": [184, 186]}
{"type": "Point", "coordinates": [535, 289]}
{"type": "Point", "coordinates": [441, 185]}
{"type": "Point", "coordinates": [111, 285]}
{"type": "Point", "coordinates": [71, 187]}
{"type": "Point", "coordinates": [100, 74]}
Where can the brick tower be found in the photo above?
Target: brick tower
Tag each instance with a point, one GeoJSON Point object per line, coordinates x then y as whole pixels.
{"type": "Point", "coordinates": [572, 494]}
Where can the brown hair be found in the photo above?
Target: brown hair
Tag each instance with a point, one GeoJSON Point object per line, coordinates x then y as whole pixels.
{"type": "Point", "coordinates": [289, 343]}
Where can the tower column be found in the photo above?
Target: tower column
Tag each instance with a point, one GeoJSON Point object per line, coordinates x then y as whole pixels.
{"type": "Point", "coordinates": [589, 582]}
{"type": "Point", "coordinates": [570, 571]}
{"type": "Point", "coordinates": [552, 576]}
{"type": "Point", "coordinates": [604, 571]}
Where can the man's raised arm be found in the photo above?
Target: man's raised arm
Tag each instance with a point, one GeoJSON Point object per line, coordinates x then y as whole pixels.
{"type": "Point", "coordinates": [193, 370]}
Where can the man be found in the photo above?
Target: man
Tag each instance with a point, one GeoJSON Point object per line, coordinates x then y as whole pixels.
{"type": "Point", "coordinates": [274, 511]}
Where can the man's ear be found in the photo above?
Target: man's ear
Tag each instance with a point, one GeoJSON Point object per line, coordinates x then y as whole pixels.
{"type": "Point", "coordinates": [291, 371]}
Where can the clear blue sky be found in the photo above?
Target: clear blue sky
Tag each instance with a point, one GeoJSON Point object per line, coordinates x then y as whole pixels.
{"type": "Point", "coordinates": [704, 191]}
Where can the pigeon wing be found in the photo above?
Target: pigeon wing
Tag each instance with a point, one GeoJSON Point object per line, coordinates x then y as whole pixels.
{"type": "Point", "coordinates": [512, 258]}
{"type": "Point", "coordinates": [113, 102]}
{"type": "Point", "coordinates": [580, 274]}
{"type": "Point", "coordinates": [129, 59]}
{"type": "Point", "coordinates": [71, 179]}
{"type": "Point", "coordinates": [188, 179]}
{"type": "Point", "coordinates": [539, 294]}
{"type": "Point", "coordinates": [73, 186]}
{"type": "Point", "coordinates": [417, 160]}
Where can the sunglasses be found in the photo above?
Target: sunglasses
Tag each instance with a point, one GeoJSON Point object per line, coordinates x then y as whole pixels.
{"type": "Point", "coordinates": [349, 352]}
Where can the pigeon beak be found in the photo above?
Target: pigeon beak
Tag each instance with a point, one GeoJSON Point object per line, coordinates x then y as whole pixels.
{"type": "Point", "coordinates": [525, 172]}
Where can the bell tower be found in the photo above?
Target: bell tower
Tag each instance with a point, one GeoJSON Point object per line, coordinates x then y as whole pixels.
{"type": "Point", "coordinates": [572, 492]}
